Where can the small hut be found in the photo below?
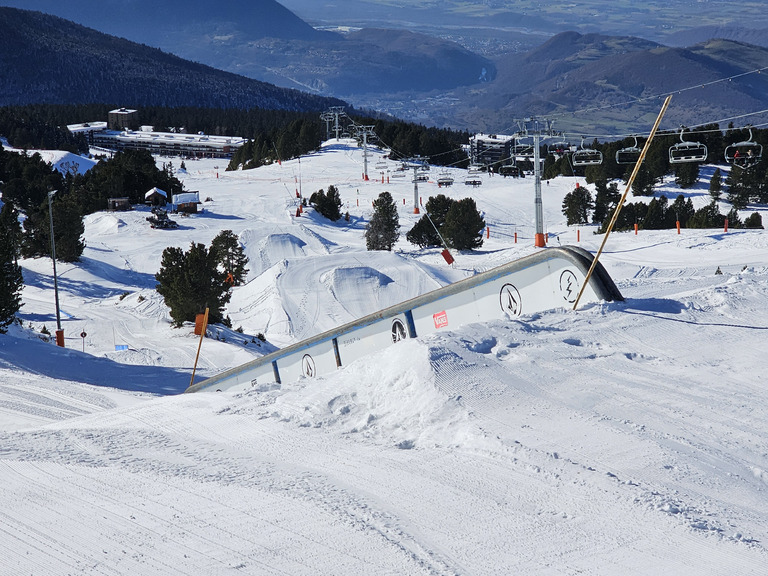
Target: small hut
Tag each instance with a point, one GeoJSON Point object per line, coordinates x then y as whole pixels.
{"type": "Point", "coordinates": [156, 197]}
{"type": "Point", "coordinates": [120, 204]}
{"type": "Point", "coordinates": [186, 202]}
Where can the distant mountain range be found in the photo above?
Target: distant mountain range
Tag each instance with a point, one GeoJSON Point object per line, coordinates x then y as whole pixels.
{"type": "Point", "coordinates": [45, 59]}
{"type": "Point", "coordinates": [589, 83]}
{"type": "Point", "coordinates": [263, 40]}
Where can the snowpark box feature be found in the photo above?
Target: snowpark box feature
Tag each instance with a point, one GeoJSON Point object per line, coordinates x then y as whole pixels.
{"type": "Point", "coordinates": [542, 281]}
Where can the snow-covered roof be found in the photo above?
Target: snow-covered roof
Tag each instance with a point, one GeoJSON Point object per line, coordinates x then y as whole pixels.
{"type": "Point", "coordinates": [87, 127]}
{"type": "Point", "coordinates": [186, 198]}
{"type": "Point", "coordinates": [171, 138]}
{"type": "Point", "coordinates": [156, 190]}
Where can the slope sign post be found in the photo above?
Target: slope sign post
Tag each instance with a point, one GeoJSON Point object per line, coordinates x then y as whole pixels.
{"type": "Point", "coordinates": [199, 345]}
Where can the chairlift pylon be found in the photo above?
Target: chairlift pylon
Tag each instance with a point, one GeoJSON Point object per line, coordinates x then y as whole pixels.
{"type": "Point", "coordinates": [587, 156]}
{"type": "Point", "coordinates": [744, 154]}
{"type": "Point", "coordinates": [685, 151]}
{"type": "Point", "coordinates": [629, 155]}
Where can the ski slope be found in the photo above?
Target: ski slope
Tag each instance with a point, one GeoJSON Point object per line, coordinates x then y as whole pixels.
{"type": "Point", "coordinates": [626, 437]}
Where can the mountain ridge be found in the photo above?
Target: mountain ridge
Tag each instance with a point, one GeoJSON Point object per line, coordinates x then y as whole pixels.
{"type": "Point", "coordinates": [46, 59]}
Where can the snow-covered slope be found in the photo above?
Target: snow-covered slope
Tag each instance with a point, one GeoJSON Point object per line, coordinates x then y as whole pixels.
{"type": "Point", "coordinates": [622, 438]}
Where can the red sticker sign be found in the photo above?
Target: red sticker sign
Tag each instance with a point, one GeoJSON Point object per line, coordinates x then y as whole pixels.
{"type": "Point", "coordinates": [441, 319]}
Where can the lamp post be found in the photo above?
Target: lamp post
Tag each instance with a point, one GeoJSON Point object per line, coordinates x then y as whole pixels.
{"type": "Point", "coordinates": [59, 331]}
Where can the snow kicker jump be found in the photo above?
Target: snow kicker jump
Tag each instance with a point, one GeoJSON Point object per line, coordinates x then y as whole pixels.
{"type": "Point", "coordinates": [548, 279]}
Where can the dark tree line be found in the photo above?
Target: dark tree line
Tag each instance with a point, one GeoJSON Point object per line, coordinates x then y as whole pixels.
{"type": "Point", "coordinates": [658, 214]}
{"type": "Point", "coordinates": [27, 180]}
{"type": "Point", "coordinates": [11, 280]}
{"type": "Point", "coordinates": [441, 147]}
{"type": "Point", "coordinates": [48, 59]}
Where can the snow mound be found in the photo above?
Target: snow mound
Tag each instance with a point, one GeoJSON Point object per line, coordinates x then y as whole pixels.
{"type": "Point", "coordinates": [390, 398]}
{"type": "Point", "coordinates": [271, 250]}
{"type": "Point", "coordinates": [102, 224]}
{"type": "Point", "coordinates": [356, 287]}
{"type": "Point", "coordinates": [67, 162]}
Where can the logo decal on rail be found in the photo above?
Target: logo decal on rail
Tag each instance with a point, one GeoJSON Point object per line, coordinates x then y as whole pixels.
{"type": "Point", "coordinates": [441, 319]}
{"type": "Point", "coordinates": [308, 366]}
{"type": "Point", "coordinates": [398, 331]}
{"type": "Point", "coordinates": [511, 301]}
{"type": "Point", "coordinates": [569, 286]}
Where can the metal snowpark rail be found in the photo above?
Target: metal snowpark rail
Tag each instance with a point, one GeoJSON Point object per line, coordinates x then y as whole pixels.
{"type": "Point", "coordinates": [546, 280]}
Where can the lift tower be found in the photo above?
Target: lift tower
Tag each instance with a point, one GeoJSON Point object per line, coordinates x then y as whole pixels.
{"type": "Point", "coordinates": [416, 163]}
{"type": "Point", "coordinates": [333, 114]}
{"type": "Point", "coordinates": [536, 131]}
{"type": "Point", "coordinates": [363, 133]}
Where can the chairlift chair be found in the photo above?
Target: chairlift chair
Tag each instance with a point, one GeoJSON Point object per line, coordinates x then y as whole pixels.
{"type": "Point", "coordinates": [685, 151]}
{"type": "Point", "coordinates": [587, 156]}
{"type": "Point", "coordinates": [445, 179]}
{"type": "Point", "coordinates": [744, 154]}
{"type": "Point", "coordinates": [509, 170]}
{"type": "Point", "coordinates": [558, 148]}
{"type": "Point", "coordinates": [474, 169]}
{"type": "Point", "coordinates": [629, 155]}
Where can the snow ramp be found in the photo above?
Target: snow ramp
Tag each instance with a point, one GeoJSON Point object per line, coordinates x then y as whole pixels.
{"type": "Point", "coordinates": [545, 280]}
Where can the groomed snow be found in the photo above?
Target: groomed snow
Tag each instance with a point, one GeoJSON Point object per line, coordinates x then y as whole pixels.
{"type": "Point", "coordinates": [622, 438]}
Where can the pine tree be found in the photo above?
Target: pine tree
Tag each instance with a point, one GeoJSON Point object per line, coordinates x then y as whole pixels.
{"type": "Point", "coordinates": [681, 210]}
{"type": "Point", "coordinates": [425, 231]}
{"type": "Point", "coordinates": [654, 217]}
{"type": "Point", "coordinates": [229, 254]}
{"type": "Point", "coordinates": [607, 197]}
{"type": "Point", "coordinates": [383, 229]}
{"type": "Point", "coordinates": [733, 219]}
{"type": "Point", "coordinates": [754, 220]}
{"type": "Point", "coordinates": [329, 205]}
{"type": "Point", "coordinates": [644, 182]}
{"type": "Point", "coordinates": [576, 206]}
{"type": "Point", "coordinates": [463, 228]}
{"type": "Point", "coordinates": [332, 209]}
{"type": "Point", "coordinates": [716, 184]}
{"type": "Point", "coordinates": [423, 234]}
{"type": "Point", "coordinates": [686, 174]}
{"type": "Point", "coordinates": [190, 282]}
{"type": "Point", "coordinates": [707, 217]}
{"type": "Point", "coordinates": [11, 280]}
{"type": "Point", "coordinates": [738, 194]}
{"type": "Point", "coordinates": [68, 229]}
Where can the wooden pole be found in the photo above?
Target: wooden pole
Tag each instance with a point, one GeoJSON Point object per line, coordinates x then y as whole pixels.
{"type": "Point", "coordinates": [199, 345]}
{"type": "Point", "coordinates": [631, 180]}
